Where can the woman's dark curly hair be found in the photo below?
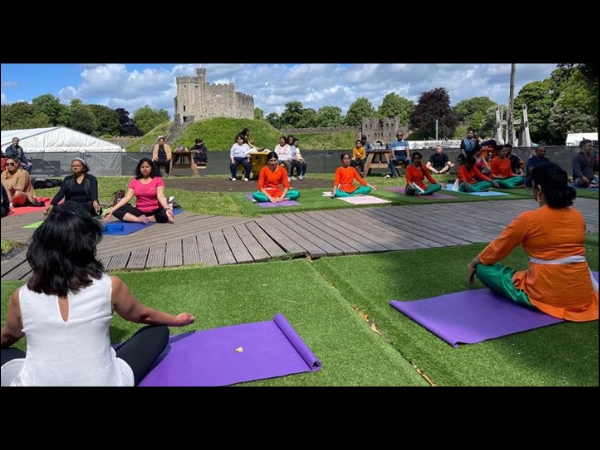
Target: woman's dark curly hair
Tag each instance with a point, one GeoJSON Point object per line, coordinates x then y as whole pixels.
{"type": "Point", "coordinates": [554, 182]}
{"type": "Point", "coordinates": [138, 170]}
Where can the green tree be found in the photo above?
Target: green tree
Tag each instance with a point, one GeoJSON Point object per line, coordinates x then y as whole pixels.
{"type": "Point", "coordinates": [52, 108]}
{"type": "Point", "coordinates": [477, 120]}
{"type": "Point", "coordinates": [539, 100]}
{"type": "Point", "coordinates": [126, 126]}
{"type": "Point", "coordinates": [590, 71]}
{"type": "Point", "coordinates": [308, 118]}
{"type": "Point", "coordinates": [147, 118]}
{"type": "Point", "coordinates": [292, 116]}
{"type": "Point", "coordinates": [394, 105]}
{"type": "Point", "coordinates": [259, 114]}
{"type": "Point", "coordinates": [359, 110]}
{"type": "Point", "coordinates": [330, 116]}
{"type": "Point", "coordinates": [489, 121]}
{"type": "Point", "coordinates": [273, 119]}
{"type": "Point", "coordinates": [18, 116]}
{"type": "Point", "coordinates": [431, 106]}
{"type": "Point", "coordinates": [466, 109]}
{"type": "Point", "coordinates": [81, 117]}
{"type": "Point", "coordinates": [576, 110]}
{"type": "Point", "coordinates": [107, 120]}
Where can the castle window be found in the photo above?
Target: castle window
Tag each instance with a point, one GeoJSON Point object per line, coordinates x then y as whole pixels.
{"type": "Point", "coordinates": [183, 108]}
{"type": "Point", "coordinates": [197, 86]}
{"type": "Point", "coordinates": [185, 86]}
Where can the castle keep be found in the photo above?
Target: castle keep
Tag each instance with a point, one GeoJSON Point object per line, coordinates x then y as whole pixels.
{"type": "Point", "coordinates": [197, 99]}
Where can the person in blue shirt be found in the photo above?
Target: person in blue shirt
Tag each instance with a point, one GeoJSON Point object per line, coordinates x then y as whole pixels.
{"type": "Point", "coordinates": [400, 153]}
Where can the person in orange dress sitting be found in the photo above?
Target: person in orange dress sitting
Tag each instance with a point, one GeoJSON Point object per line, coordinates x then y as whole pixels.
{"type": "Point", "coordinates": [416, 174]}
{"type": "Point", "coordinates": [273, 183]}
{"type": "Point", "coordinates": [471, 179]}
{"type": "Point", "coordinates": [343, 185]}
{"type": "Point", "coordinates": [558, 281]}
{"type": "Point", "coordinates": [502, 171]}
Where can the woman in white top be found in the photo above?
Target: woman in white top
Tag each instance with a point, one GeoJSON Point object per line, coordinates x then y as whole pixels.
{"type": "Point", "coordinates": [239, 155]}
{"type": "Point", "coordinates": [66, 309]}
{"type": "Point", "coordinates": [284, 154]}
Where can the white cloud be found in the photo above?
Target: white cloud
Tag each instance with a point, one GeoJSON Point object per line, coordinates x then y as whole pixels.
{"type": "Point", "coordinates": [4, 99]}
{"type": "Point", "coordinates": [67, 94]}
{"type": "Point", "coordinates": [315, 85]}
{"type": "Point", "coordinates": [10, 85]}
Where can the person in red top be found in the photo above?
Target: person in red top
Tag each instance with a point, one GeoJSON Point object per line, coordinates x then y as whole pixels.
{"type": "Point", "coordinates": [558, 281]}
{"type": "Point", "coordinates": [271, 180]}
{"type": "Point", "coordinates": [149, 190]}
{"type": "Point", "coordinates": [502, 172]}
{"type": "Point", "coordinates": [416, 174]}
{"type": "Point", "coordinates": [343, 185]}
{"type": "Point", "coordinates": [3, 161]}
{"type": "Point", "coordinates": [471, 179]}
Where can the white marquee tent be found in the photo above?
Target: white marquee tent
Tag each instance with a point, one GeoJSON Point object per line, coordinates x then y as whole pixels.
{"type": "Point", "coordinates": [52, 150]}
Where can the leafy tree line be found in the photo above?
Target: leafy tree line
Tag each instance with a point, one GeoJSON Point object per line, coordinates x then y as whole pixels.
{"type": "Point", "coordinates": [98, 120]}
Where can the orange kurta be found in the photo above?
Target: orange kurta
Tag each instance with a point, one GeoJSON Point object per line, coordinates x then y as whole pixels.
{"type": "Point", "coordinates": [500, 168]}
{"type": "Point", "coordinates": [272, 181]}
{"type": "Point", "coordinates": [417, 176]}
{"type": "Point", "coordinates": [344, 178]}
{"type": "Point", "coordinates": [564, 291]}
{"type": "Point", "coordinates": [471, 176]}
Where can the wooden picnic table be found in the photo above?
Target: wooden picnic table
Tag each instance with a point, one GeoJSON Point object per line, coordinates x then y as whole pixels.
{"type": "Point", "coordinates": [386, 154]}
{"type": "Point", "coordinates": [184, 159]}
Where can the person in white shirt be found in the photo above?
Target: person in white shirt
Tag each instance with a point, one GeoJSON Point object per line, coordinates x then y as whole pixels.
{"type": "Point", "coordinates": [66, 310]}
{"type": "Point", "coordinates": [284, 154]}
{"type": "Point", "coordinates": [239, 155]}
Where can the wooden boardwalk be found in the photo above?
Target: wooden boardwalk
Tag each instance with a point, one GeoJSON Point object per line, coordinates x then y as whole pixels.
{"type": "Point", "coordinates": [212, 240]}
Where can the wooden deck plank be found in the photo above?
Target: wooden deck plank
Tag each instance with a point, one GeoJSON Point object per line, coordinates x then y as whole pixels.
{"type": "Point", "coordinates": [156, 256]}
{"type": "Point", "coordinates": [222, 250]}
{"type": "Point", "coordinates": [206, 251]}
{"type": "Point", "coordinates": [191, 252]}
{"type": "Point", "coordinates": [254, 247]}
{"type": "Point", "coordinates": [138, 259]}
{"type": "Point", "coordinates": [315, 246]}
{"type": "Point", "coordinates": [237, 246]}
{"type": "Point", "coordinates": [12, 263]}
{"type": "Point", "coordinates": [174, 254]}
{"type": "Point", "coordinates": [118, 262]}
{"type": "Point", "coordinates": [286, 240]}
{"type": "Point", "coordinates": [272, 247]}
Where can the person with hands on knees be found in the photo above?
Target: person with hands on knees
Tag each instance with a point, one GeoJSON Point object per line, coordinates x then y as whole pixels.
{"type": "Point", "coordinates": [149, 190]}
{"type": "Point", "coordinates": [66, 308]}
{"type": "Point", "coordinates": [343, 185]}
{"type": "Point", "coordinates": [273, 183]}
{"type": "Point", "coordinates": [80, 188]}
{"type": "Point", "coordinates": [558, 281]}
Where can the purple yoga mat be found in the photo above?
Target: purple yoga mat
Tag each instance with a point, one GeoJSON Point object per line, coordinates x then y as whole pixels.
{"type": "Point", "coordinates": [127, 228]}
{"type": "Point", "coordinates": [435, 196]}
{"type": "Point", "coordinates": [209, 358]}
{"type": "Point", "coordinates": [272, 205]}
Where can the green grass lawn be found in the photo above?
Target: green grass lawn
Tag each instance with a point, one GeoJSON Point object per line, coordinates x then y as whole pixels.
{"type": "Point", "coordinates": [7, 246]}
{"type": "Point", "coordinates": [560, 355]}
{"type": "Point", "coordinates": [351, 354]}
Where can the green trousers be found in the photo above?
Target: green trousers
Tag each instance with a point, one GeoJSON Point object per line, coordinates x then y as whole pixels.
{"type": "Point", "coordinates": [498, 278]}
{"type": "Point", "coordinates": [477, 187]}
{"type": "Point", "coordinates": [510, 183]}
{"type": "Point", "coordinates": [431, 189]}
{"type": "Point", "coordinates": [363, 190]}
{"type": "Point", "coordinates": [262, 198]}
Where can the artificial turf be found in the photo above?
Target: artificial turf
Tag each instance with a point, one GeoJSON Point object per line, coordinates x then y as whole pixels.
{"type": "Point", "coordinates": [560, 355]}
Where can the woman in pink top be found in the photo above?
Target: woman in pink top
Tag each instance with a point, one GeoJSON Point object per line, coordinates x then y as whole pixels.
{"type": "Point", "coordinates": [149, 190]}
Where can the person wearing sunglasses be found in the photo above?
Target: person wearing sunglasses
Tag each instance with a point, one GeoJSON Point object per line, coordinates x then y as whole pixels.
{"type": "Point", "coordinates": [18, 185]}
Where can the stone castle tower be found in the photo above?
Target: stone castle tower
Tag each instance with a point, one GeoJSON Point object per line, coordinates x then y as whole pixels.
{"type": "Point", "coordinates": [196, 99]}
{"type": "Point", "coordinates": [383, 131]}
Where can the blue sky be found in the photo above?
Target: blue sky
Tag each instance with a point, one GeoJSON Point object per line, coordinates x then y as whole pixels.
{"type": "Point", "coordinates": [132, 86]}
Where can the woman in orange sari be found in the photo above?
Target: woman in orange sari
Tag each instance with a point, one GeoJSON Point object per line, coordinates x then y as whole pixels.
{"type": "Point", "coordinates": [558, 281]}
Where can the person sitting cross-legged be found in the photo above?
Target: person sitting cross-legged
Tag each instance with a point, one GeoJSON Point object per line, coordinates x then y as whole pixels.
{"type": "Point", "coordinates": [273, 183]}
{"type": "Point", "coordinates": [66, 308]}
{"type": "Point", "coordinates": [416, 174]}
{"type": "Point", "coordinates": [471, 179]}
{"type": "Point", "coordinates": [558, 281]}
{"type": "Point", "coordinates": [149, 190]}
{"type": "Point", "coordinates": [502, 173]}
{"type": "Point", "coordinates": [343, 185]}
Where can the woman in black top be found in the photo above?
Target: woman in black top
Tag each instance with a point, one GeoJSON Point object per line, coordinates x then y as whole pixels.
{"type": "Point", "coordinates": [81, 188]}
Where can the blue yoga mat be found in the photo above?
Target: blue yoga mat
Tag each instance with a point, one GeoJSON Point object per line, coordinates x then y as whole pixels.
{"type": "Point", "coordinates": [480, 194]}
{"type": "Point", "coordinates": [126, 228]}
{"type": "Point", "coordinates": [231, 355]}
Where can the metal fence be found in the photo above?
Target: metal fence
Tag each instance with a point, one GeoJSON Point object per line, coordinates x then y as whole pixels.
{"type": "Point", "coordinates": [57, 165]}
